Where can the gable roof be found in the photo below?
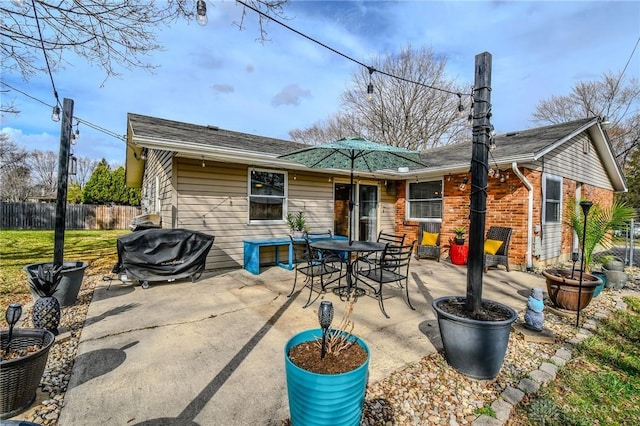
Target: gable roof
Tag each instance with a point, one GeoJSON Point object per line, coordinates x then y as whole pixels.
{"type": "Point", "coordinates": [213, 143]}
{"type": "Point", "coordinates": [528, 146]}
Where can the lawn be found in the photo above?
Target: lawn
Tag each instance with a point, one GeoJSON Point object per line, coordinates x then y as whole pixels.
{"type": "Point", "coordinates": [20, 248]}
{"type": "Point", "coordinates": [601, 383]}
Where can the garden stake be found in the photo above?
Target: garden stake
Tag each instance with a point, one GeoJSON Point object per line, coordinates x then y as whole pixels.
{"type": "Point", "coordinates": [586, 205]}
{"type": "Point", "coordinates": [325, 316]}
{"type": "Point", "coordinates": [12, 316]}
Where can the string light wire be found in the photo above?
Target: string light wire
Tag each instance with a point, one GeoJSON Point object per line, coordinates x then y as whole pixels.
{"type": "Point", "coordinates": [370, 68]}
{"type": "Point", "coordinates": [44, 52]}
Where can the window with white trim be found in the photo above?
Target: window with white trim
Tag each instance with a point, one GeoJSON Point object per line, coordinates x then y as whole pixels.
{"type": "Point", "coordinates": [267, 195]}
{"type": "Point", "coordinates": [425, 200]}
{"type": "Point", "coordinates": [552, 202]}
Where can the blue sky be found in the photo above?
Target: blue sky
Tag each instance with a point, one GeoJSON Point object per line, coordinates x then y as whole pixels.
{"type": "Point", "coordinates": [219, 75]}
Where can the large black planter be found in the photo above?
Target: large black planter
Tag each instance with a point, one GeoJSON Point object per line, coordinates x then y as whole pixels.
{"type": "Point", "coordinates": [474, 348]}
{"type": "Point", "coordinates": [20, 377]}
{"type": "Point", "coordinates": [69, 287]}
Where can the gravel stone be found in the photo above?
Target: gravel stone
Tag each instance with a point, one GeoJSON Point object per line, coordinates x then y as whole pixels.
{"type": "Point", "coordinates": [428, 392]}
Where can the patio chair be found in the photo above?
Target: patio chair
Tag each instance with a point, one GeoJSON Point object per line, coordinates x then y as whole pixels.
{"type": "Point", "coordinates": [316, 266]}
{"type": "Point", "coordinates": [496, 247]}
{"type": "Point", "coordinates": [384, 238]}
{"type": "Point", "coordinates": [428, 241]}
{"type": "Point", "coordinates": [392, 267]}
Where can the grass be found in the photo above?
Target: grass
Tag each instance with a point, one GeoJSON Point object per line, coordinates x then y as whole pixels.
{"type": "Point", "coordinates": [601, 384]}
{"type": "Point", "coordinates": [20, 248]}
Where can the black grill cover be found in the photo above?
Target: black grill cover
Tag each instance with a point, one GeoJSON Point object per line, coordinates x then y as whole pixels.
{"type": "Point", "coordinates": [162, 254]}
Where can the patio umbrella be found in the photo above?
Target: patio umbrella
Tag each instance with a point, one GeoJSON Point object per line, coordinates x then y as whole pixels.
{"type": "Point", "coordinates": [354, 154]}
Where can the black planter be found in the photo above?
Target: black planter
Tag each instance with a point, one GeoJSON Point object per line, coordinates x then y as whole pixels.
{"type": "Point", "coordinates": [20, 377]}
{"type": "Point", "coordinates": [474, 348]}
{"type": "Point", "coordinates": [69, 287]}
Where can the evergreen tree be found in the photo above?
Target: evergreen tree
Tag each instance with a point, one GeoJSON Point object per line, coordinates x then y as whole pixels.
{"type": "Point", "coordinates": [98, 189]}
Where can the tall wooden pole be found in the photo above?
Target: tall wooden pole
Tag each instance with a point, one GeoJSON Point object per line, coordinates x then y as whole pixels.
{"type": "Point", "coordinates": [479, 170]}
{"type": "Point", "coordinates": [63, 174]}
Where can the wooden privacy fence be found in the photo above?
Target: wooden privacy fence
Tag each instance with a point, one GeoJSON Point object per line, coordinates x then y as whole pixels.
{"type": "Point", "coordinates": [79, 216]}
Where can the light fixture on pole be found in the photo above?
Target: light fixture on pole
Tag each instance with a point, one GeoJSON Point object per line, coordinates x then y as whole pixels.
{"type": "Point", "coordinates": [55, 114]}
{"type": "Point", "coordinates": [201, 10]}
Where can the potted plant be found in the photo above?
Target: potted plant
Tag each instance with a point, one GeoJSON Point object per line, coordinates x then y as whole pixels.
{"type": "Point", "coordinates": [72, 274]}
{"type": "Point", "coordinates": [459, 231]}
{"type": "Point", "coordinates": [475, 331]}
{"type": "Point", "coordinates": [600, 221]}
{"type": "Point", "coordinates": [24, 355]}
{"type": "Point", "coordinates": [323, 388]}
{"type": "Point", "coordinates": [297, 224]}
{"type": "Point", "coordinates": [46, 309]}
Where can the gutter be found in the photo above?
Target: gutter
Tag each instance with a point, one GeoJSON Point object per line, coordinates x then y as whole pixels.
{"type": "Point", "coordinates": [523, 179]}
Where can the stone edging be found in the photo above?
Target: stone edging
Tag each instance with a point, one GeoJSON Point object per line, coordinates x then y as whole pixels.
{"type": "Point", "coordinates": [545, 373]}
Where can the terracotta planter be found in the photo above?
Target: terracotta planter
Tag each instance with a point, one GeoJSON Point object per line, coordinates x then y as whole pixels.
{"type": "Point", "coordinates": [564, 288]}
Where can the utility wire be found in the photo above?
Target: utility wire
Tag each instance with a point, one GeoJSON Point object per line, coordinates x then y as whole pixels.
{"type": "Point", "coordinates": [370, 68]}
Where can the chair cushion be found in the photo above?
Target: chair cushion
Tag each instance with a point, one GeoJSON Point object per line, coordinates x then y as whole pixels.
{"type": "Point", "coordinates": [492, 246]}
{"type": "Point", "coordinates": [429, 238]}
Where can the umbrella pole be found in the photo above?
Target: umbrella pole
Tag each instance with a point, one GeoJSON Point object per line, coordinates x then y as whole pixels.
{"type": "Point", "coordinates": [351, 203]}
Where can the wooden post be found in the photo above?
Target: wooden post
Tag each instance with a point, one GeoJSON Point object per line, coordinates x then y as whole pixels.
{"type": "Point", "coordinates": [479, 170]}
{"type": "Point", "coordinates": [63, 172]}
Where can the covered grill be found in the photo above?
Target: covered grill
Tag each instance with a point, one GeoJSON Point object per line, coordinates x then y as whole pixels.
{"type": "Point", "coordinates": [162, 255]}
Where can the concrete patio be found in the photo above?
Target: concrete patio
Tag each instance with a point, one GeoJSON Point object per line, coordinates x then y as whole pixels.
{"type": "Point", "coordinates": [211, 352]}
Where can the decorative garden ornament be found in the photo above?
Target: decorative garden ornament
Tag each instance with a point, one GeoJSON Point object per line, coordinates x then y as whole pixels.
{"type": "Point", "coordinates": [46, 309]}
{"type": "Point", "coordinates": [533, 317]}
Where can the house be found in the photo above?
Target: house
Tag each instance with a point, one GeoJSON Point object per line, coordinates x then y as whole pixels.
{"type": "Point", "coordinates": [234, 186]}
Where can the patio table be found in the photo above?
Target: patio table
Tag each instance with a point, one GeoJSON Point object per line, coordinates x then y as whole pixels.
{"type": "Point", "coordinates": [344, 249]}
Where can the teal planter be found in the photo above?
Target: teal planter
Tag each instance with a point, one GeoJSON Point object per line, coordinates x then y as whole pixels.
{"type": "Point", "coordinates": [599, 287]}
{"type": "Point", "coordinates": [324, 399]}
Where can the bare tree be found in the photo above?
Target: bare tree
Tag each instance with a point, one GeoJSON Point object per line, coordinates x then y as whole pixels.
{"type": "Point", "coordinates": [612, 97]}
{"type": "Point", "coordinates": [418, 110]}
{"type": "Point", "coordinates": [44, 170]}
{"type": "Point", "coordinates": [15, 182]}
{"type": "Point", "coordinates": [107, 33]}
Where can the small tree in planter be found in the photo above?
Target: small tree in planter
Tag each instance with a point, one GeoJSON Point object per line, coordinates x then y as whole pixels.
{"type": "Point", "coordinates": [600, 221]}
{"type": "Point", "coordinates": [327, 371]}
{"type": "Point", "coordinates": [475, 331]}
{"type": "Point", "coordinates": [297, 223]}
{"type": "Point", "coordinates": [460, 231]}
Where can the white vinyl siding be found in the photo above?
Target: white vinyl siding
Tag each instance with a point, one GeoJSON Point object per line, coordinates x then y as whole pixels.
{"type": "Point", "coordinates": [214, 200]}
{"type": "Point", "coordinates": [157, 189]}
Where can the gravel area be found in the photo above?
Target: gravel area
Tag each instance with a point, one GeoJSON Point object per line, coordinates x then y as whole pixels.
{"type": "Point", "coordinates": [428, 392]}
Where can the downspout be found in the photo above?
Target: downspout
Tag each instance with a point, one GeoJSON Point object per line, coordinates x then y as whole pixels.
{"type": "Point", "coordinates": [514, 167]}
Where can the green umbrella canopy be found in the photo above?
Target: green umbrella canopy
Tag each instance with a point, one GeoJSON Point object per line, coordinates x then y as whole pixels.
{"type": "Point", "coordinates": [355, 154]}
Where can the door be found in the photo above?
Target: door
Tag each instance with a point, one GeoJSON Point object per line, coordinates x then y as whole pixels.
{"type": "Point", "coordinates": [368, 212]}
{"type": "Point", "coordinates": [365, 211]}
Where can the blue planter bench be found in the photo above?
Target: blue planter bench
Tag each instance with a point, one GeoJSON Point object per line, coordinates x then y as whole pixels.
{"type": "Point", "coordinates": [252, 251]}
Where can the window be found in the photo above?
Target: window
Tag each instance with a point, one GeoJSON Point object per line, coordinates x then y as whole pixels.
{"type": "Point", "coordinates": [552, 189]}
{"type": "Point", "coordinates": [425, 200]}
{"type": "Point", "coordinates": [267, 198]}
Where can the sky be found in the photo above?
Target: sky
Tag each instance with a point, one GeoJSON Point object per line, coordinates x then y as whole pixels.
{"type": "Point", "coordinates": [223, 76]}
